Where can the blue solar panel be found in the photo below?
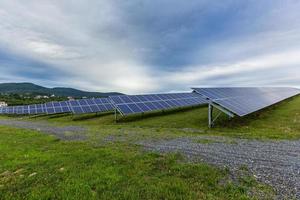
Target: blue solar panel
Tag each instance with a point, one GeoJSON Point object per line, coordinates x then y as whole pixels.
{"type": "Point", "coordinates": [131, 104]}
{"type": "Point", "coordinates": [32, 109]}
{"type": "Point", "coordinates": [36, 109]}
{"type": "Point", "coordinates": [26, 110]}
{"type": "Point", "coordinates": [57, 107]}
{"type": "Point", "coordinates": [2, 110]}
{"type": "Point", "coordinates": [10, 110]}
{"type": "Point", "coordinates": [5, 110]}
{"type": "Point", "coordinates": [91, 105]}
{"type": "Point", "coordinates": [19, 110]}
{"type": "Point", "coordinates": [243, 101]}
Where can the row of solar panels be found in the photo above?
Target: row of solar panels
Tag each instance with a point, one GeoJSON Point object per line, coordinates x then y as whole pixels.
{"type": "Point", "coordinates": [246, 100]}
{"type": "Point", "coordinates": [73, 106]}
{"type": "Point", "coordinates": [240, 101]}
{"type": "Point", "coordinates": [131, 104]}
{"type": "Point", "coordinates": [125, 104]}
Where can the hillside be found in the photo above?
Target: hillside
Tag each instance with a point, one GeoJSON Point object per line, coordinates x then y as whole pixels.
{"type": "Point", "coordinates": [30, 88]}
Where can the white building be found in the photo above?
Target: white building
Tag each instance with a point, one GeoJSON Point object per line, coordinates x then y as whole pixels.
{"type": "Point", "coordinates": [41, 97]}
{"type": "Point", "coordinates": [3, 104]}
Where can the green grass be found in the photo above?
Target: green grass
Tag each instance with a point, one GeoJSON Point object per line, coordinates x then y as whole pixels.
{"type": "Point", "coordinates": [37, 166]}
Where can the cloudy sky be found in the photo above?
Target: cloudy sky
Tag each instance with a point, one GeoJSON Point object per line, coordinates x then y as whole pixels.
{"type": "Point", "coordinates": [144, 46]}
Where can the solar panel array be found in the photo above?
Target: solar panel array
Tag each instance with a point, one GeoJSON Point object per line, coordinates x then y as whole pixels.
{"type": "Point", "coordinates": [36, 109]}
{"type": "Point", "coordinates": [73, 106]}
{"type": "Point", "coordinates": [91, 105]}
{"type": "Point", "coordinates": [20, 110]}
{"type": "Point", "coordinates": [240, 101]}
{"type": "Point", "coordinates": [243, 101]}
{"type": "Point", "coordinates": [57, 107]}
{"type": "Point", "coordinates": [132, 104]}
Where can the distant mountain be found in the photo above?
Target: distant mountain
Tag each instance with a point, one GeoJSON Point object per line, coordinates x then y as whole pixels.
{"type": "Point", "coordinates": [30, 88]}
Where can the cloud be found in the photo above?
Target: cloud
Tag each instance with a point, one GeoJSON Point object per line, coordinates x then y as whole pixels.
{"type": "Point", "coordinates": [149, 46]}
{"type": "Point", "coordinates": [266, 62]}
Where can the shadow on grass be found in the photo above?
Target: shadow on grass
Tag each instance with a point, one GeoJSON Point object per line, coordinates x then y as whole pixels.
{"type": "Point", "coordinates": [143, 116]}
{"type": "Point", "coordinates": [54, 116]}
{"type": "Point", "coordinates": [90, 116]}
{"type": "Point", "coordinates": [49, 116]}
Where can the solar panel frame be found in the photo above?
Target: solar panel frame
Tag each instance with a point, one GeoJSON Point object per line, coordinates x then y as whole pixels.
{"type": "Point", "coordinates": [247, 100]}
{"type": "Point", "coordinates": [134, 104]}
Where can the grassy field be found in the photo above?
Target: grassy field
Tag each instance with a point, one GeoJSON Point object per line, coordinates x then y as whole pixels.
{"type": "Point", "coordinates": [37, 166]}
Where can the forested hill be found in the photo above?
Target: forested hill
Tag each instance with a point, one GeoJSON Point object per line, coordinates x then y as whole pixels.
{"type": "Point", "coordinates": [30, 88]}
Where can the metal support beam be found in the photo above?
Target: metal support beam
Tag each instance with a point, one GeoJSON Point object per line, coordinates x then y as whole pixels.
{"type": "Point", "coordinates": [211, 121]}
{"type": "Point", "coordinates": [116, 116]}
{"type": "Point", "coordinates": [210, 112]}
{"type": "Point", "coordinates": [230, 114]}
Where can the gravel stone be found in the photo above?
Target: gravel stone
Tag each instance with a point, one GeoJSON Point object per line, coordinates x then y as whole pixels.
{"type": "Point", "coordinates": [68, 133]}
{"type": "Point", "coordinates": [276, 163]}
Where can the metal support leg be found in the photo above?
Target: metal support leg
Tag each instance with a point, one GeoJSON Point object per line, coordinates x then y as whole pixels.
{"type": "Point", "coordinates": [210, 113]}
{"type": "Point", "coordinates": [116, 116]}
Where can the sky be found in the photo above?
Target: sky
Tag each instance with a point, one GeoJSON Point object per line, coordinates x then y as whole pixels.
{"type": "Point", "coordinates": [147, 46]}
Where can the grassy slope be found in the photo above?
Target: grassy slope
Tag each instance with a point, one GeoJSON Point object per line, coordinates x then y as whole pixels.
{"type": "Point", "coordinates": [36, 166]}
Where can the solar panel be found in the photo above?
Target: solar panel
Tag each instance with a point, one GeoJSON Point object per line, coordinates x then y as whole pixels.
{"type": "Point", "coordinates": [25, 109]}
{"type": "Point", "coordinates": [19, 110]}
{"type": "Point", "coordinates": [10, 110]}
{"type": "Point", "coordinates": [36, 109]}
{"type": "Point", "coordinates": [131, 104]}
{"type": "Point", "coordinates": [91, 105]}
{"type": "Point", "coordinates": [5, 110]}
{"type": "Point", "coordinates": [57, 107]}
{"type": "Point", "coordinates": [243, 101]}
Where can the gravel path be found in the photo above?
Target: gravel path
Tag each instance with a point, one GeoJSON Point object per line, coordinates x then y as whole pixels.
{"type": "Point", "coordinates": [64, 133]}
{"type": "Point", "coordinates": [276, 163]}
